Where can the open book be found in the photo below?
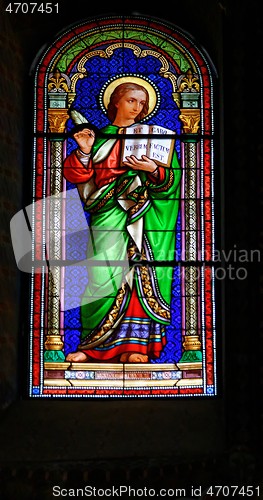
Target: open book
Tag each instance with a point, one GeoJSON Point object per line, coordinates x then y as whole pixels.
{"type": "Point", "coordinates": [158, 147]}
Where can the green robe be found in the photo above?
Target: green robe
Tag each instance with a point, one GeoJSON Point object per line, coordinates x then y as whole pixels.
{"type": "Point", "coordinates": [154, 210]}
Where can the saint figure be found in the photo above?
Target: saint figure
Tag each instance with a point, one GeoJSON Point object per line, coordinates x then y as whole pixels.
{"type": "Point", "coordinates": [127, 321]}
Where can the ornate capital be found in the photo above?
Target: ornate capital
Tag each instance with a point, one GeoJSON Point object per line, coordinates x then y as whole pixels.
{"type": "Point", "coordinates": [190, 119]}
{"type": "Point", "coordinates": [57, 120]}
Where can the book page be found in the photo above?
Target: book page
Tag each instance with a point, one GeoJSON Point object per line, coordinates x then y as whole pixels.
{"type": "Point", "coordinates": [137, 145]}
{"type": "Point", "coordinates": [157, 147]}
{"type": "Point", "coordinates": [160, 148]}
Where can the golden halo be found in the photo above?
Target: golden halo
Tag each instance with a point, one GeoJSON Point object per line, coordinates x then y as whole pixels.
{"type": "Point", "coordinates": [130, 79]}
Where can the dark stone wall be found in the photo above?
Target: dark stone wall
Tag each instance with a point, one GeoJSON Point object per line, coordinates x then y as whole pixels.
{"type": "Point", "coordinates": [11, 105]}
{"type": "Point", "coordinates": [243, 219]}
{"type": "Point", "coordinates": [159, 443]}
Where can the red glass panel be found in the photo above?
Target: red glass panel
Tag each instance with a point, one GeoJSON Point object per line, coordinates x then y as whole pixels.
{"type": "Point", "coordinates": [207, 186]}
{"type": "Point", "coordinates": [192, 390]}
{"type": "Point", "coordinates": [58, 391]}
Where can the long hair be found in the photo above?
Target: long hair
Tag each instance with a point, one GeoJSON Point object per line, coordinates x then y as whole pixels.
{"type": "Point", "coordinates": [119, 92]}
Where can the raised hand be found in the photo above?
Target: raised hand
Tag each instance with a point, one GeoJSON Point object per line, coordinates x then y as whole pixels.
{"type": "Point", "coordinates": [85, 139]}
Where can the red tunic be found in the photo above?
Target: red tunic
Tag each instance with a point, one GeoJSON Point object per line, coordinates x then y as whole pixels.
{"type": "Point", "coordinates": [104, 172]}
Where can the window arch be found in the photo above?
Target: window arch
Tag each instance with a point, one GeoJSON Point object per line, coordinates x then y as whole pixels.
{"type": "Point", "coordinates": [74, 79]}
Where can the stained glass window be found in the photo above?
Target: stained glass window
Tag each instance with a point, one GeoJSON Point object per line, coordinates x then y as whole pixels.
{"type": "Point", "coordinates": [123, 279]}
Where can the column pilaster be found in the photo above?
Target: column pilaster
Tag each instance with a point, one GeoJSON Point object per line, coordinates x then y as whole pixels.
{"type": "Point", "coordinates": [59, 99]}
{"type": "Point", "coordinates": [187, 98]}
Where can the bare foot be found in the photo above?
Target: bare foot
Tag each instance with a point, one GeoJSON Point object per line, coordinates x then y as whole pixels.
{"type": "Point", "coordinates": [134, 357]}
{"type": "Point", "coordinates": [124, 357]}
{"type": "Point", "coordinates": [77, 357]}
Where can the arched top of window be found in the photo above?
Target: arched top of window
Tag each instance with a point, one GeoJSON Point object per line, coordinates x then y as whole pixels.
{"type": "Point", "coordinates": [90, 54]}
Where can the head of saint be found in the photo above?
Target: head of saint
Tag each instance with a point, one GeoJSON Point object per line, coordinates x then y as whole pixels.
{"type": "Point", "coordinates": [130, 99]}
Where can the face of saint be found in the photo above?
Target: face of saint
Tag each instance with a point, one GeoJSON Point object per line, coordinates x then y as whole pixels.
{"type": "Point", "coordinates": [128, 107]}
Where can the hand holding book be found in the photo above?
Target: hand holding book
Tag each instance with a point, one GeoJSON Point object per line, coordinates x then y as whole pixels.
{"type": "Point", "coordinates": [144, 163]}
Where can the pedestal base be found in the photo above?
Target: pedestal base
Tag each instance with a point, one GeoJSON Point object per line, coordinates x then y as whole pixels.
{"type": "Point", "coordinates": [122, 376]}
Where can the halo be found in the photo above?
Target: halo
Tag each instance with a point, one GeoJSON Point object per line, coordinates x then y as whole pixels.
{"type": "Point", "coordinates": [110, 87]}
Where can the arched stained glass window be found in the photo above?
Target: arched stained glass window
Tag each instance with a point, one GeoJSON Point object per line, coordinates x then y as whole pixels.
{"type": "Point", "coordinates": [122, 215]}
